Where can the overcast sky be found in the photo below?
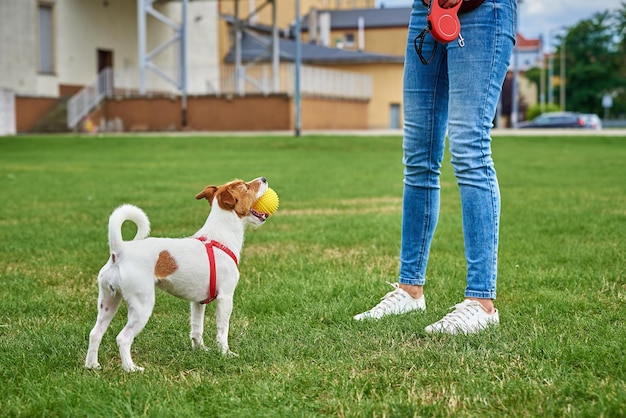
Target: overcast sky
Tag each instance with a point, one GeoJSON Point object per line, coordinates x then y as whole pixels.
{"type": "Point", "coordinates": [538, 17]}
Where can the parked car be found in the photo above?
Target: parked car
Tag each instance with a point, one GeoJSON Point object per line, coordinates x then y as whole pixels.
{"type": "Point", "coordinates": [592, 121]}
{"type": "Point", "coordinates": [556, 120]}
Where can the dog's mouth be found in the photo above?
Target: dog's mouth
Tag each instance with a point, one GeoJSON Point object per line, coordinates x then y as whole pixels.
{"type": "Point", "coordinates": [259, 215]}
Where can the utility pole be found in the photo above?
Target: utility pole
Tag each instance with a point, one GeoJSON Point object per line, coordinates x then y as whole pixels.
{"type": "Point", "coordinates": [297, 65]}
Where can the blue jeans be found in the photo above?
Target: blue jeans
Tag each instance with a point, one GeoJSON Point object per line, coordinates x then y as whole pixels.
{"type": "Point", "coordinates": [458, 92]}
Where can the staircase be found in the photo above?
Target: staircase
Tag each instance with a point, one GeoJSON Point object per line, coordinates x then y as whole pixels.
{"type": "Point", "coordinates": [86, 100]}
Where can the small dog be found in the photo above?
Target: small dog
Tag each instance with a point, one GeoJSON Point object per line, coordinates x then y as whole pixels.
{"type": "Point", "coordinates": [200, 268]}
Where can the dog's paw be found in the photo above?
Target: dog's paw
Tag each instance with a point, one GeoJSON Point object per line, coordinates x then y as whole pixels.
{"type": "Point", "coordinates": [93, 366]}
{"type": "Point", "coordinates": [133, 368]}
{"type": "Point", "coordinates": [198, 345]}
{"type": "Point", "coordinates": [228, 353]}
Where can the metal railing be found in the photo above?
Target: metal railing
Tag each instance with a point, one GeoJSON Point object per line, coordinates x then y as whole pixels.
{"type": "Point", "coordinates": [315, 82]}
{"type": "Point", "coordinates": [89, 97]}
{"type": "Point", "coordinates": [257, 79]}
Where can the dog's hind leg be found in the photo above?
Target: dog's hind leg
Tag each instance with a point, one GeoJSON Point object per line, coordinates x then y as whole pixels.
{"type": "Point", "coordinates": [197, 325]}
{"type": "Point", "coordinates": [139, 311]}
{"type": "Point", "coordinates": [222, 317]}
{"type": "Point", "coordinates": [108, 303]}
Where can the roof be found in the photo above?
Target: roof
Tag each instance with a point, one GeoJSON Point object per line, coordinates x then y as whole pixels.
{"type": "Point", "coordinates": [253, 46]}
{"type": "Point", "coordinates": [392, 17]}
{"type": "Point", "coordinates": [528, 44]}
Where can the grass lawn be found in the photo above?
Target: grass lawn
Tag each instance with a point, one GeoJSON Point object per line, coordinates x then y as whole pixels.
{"type": "Point", "coordinates": [325, 256]}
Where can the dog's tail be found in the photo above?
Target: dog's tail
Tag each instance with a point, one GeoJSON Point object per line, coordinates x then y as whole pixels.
{"type": "Point", "coordinates": [118, 217]}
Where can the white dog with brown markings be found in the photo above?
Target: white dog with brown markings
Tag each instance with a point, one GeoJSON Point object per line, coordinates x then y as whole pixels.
{"type": "Point", "coordinates": [200, 268]}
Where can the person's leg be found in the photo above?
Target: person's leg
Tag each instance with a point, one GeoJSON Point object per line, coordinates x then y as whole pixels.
{"type": "Point", "coordinates": [425, 98]}
{"type": "Point", "coordinates": [476, 73]}
{"type": "Point", "coordinates": [425, 95]}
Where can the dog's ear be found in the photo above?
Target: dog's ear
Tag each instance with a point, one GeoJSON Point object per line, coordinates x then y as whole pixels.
{"type": "Point", "coordinates": [226, 199]}
{"type": "Point", "coordinates": [207, 193]}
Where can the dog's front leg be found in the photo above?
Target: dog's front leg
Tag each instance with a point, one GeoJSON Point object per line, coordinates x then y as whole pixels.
{"type": "Point", "coordinates": [197, 325]}
{"type": "Point", "coordinates": [223, 312]}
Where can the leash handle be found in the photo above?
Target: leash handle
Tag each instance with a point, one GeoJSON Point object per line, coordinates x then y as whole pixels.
{"type": "Point", "coordinates": [444, 23]}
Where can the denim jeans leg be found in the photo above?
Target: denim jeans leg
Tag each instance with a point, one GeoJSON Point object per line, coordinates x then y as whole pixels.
{"type": "Point", "coordinates": [476, 73]}
{"type": "Point", "coordinates": [425, 114]}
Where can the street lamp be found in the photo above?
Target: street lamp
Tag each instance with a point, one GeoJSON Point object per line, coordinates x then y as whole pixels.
{"type": "Point", "coordinates": [542, 78]}
{"type": "Point", "coordinates": [562, 91]}
{"type": "Point", "coordinates": [515, 92]}
{"type": "Point", "coordinates": [551, 68]}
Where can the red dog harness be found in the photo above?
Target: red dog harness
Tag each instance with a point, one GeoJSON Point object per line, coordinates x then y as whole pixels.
{"type": "Point", "coordinates": [213, 275]}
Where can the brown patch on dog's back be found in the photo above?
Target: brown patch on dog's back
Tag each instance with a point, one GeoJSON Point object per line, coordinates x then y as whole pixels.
{"type": "Point", "coordinates": [165, 265]}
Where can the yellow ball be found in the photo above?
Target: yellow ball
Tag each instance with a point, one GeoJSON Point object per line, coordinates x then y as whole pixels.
{"type": "Point", "coordinates": [268, 203]}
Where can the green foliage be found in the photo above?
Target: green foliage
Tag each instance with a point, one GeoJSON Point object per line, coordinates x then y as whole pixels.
{"type": "Point", "coordinates": [592, 63]}
{"type": "Point", "coordinates": [324, 256]}
{"type": "Point", "coordinates": [595, 63]}
{"type": "Point", "coordinates": [535, 110]}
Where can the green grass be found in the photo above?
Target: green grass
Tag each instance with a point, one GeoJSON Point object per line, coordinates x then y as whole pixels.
{"type": "Point", "coordinates": [325, 255]}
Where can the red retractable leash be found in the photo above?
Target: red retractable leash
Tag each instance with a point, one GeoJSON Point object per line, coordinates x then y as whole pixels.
{"type": "Point", "coordinates": [443, 25]}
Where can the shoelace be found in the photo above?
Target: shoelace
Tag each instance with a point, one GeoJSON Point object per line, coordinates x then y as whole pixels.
{"type": "Point", "coordinates": [462, 312]}
{"type": "Point", "coordinates": [389, 298]}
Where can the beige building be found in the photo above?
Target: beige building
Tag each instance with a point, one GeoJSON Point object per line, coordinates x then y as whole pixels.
{"type": "Point", "coordinates": [364, 41]}
{"type": "Point", "coordinates": [55, 54]}
{"type": "Point", "coordinates": [50, 47]}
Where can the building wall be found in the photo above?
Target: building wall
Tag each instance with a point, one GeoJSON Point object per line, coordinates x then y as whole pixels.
{"type": "Point", "coordinates": [81, 27]}
{"type": "Point", "coordinates": [318, 113]}
{"type": "Point", "coordinates": [286, 11]}
{"type": "Point", "coordinates": [240, 113]}
{"type": "Point", "coordinates": [386, 90]}
{"type": "Point", "coordinates": [249, 113]}
{"type": "Point", "coordinates": [389, 41]}
{"type": "Point", "coordinates": [7, 113]}
{"type": "Point", "coordinates": [29, 110]}
{"type": "Point", "coordinates": [18, 41]}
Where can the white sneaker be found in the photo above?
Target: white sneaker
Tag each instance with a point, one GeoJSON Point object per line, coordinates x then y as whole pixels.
{"type": "Point", "coordinates": [468, 317]}
{"type": "Point", "coordinates": [393, 303]}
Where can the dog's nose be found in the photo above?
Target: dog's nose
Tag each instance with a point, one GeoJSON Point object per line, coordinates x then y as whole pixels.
{"type": "Point", "coordinates": [263, 180]}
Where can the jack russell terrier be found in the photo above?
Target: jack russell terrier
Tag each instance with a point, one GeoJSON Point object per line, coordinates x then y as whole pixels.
{"type": "Point", "coordinates": [199, 269]}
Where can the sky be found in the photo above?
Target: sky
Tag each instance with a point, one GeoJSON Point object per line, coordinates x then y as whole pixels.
{"type": "Point", "coordinates": [539, 17]}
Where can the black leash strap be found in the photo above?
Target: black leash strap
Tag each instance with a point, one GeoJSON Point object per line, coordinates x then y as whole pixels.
{"type": "Point", "coordinates": [418, 47]}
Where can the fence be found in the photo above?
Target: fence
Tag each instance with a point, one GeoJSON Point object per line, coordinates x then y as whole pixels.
{"type": "Point", "coordinates": [314, 82]}
{"type": "Point", "coordinates": [256, 79]}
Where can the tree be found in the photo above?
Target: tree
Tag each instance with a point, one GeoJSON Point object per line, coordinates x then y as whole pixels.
{"type": "Point", "coordinates": [619, 103]}
{"type": "Point", "coordinates": [595, 62]}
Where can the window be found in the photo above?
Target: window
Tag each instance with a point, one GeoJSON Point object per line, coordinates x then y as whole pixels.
{"type": "Point", "coordinates": [46, 50]}
{"type": "Point", "coordinates": [394, 116]}
{"type": "Point", "coordinates": [349, 39]}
